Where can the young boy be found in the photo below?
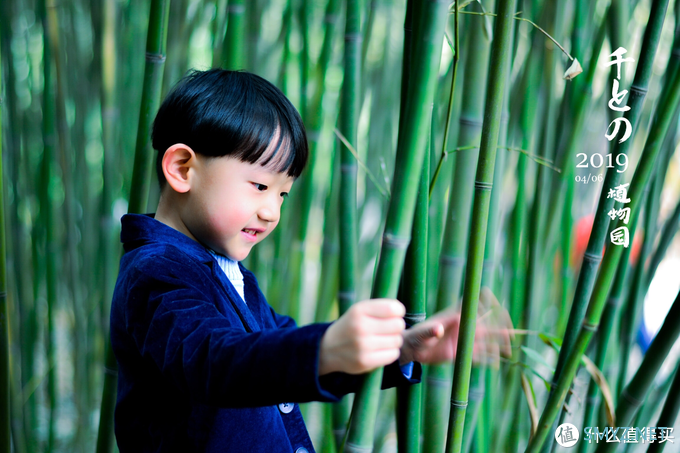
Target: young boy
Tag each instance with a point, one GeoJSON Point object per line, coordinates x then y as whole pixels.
{"type": "Point", "coordinates": [205, 364]}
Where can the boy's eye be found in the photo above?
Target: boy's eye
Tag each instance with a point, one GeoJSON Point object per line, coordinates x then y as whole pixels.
{"type": "Point", "coordinates": [284, 194]}
{"type": "Point", "coordinates": [260, 187]}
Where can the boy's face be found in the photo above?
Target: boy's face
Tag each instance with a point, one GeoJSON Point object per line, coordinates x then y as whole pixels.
{"type": "Point", "coordinates": [233, 205]}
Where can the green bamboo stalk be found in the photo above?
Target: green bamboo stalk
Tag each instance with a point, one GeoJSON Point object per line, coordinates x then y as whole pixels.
{"type": "Point", "coordinates": [153, 71]}
{"type": "Point", "coordinates": [528, 90]}
{"type": "Point", "coordinates": [303, 19]}
{"type": "Point", "coordinates": [410, 151]}
{"type": "Point", "coordinates": [632, 308]}
{"type": "Point", "coordinates": [634, 394]}
{"type": "Point", "coordinates": [348, 125]}
{"type": "Point", "coordinates": [414, 298]}
{"type": "Point", "coordinates": [454, 241]}
{"type": "Point", "coordinates": [500, 57]}
{"type": "Point", "coordinates": [234, 38]}
{"type": "Point", "coordinates": [486, 383]}
{"type": "Point", "coordinates": [655, 398]}
{"type": "Point", "coordinates": [4, 318]}
{"type": "Point", "coordinates": [669, 413]}
{"type": "Point", "coordinates": [47, 213]}
{"type": "Point", "coordinates": [657, 131]}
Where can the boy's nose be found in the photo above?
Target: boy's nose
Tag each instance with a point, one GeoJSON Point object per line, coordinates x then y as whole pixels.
{"type": "Point", "coordinates": [269, 212]}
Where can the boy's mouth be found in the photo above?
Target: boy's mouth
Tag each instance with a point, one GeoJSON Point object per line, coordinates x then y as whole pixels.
{"type": "Point", "coordinates": [249, 231]}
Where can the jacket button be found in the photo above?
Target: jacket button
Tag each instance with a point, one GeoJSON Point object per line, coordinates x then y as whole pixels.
{"type": "Point", "coordinates": [301, 450]}
{"type": "Point", "coordinates": [287, 408]}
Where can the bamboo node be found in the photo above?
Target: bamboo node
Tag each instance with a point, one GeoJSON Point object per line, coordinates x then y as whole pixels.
{"type": "Point", "coordinates": [676, 52]}
{"type": "Point", "coordinates": [347, 168]}
{"type": "Point", "coordinates": [353, 37]}
{"type": "Point", "coordinates": [414, 318]}
{"type": "Point", "coordinates": [592, 257]}
{"type": "Point", "coordinates": [467, 121]}
{"type": "Point", "coordinates": [354, 448]}
{"type": "Point", "coordinates": [437, 382]}
{"type": "Point", "coordinates": [452, 260]}
{"type": "Point", "coordinates": [396, 241]}
{"type": "Point", "coordinates": [457, 403]}
{"type": "Point", "coordinates": [476, 395]}
{"type": "Point", "coordinates": [634, 89]}
{"type": "Point", "coordinates": [481, 185]}
{"type": "Point", "coordinates": [588, 326]}
{"type": "Point", "coordinates": [346, 295]}
{"type": "Point", "coordinates": [155, 58]}
{"type": "Point", "coordinates": [613, 301]}
{"type": "Point", "coordinates": [631, 399]}
{"type": "Point", "coordinates": [110, 371]}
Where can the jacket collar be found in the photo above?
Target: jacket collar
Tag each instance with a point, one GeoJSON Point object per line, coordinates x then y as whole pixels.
{"type": "Point", "coordinates": [141, 229]}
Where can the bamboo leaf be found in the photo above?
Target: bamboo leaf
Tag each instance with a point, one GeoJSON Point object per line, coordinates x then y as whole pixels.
{"type": "Point", "coordinates": [573, 70]}
{"type": "Point", "coordinates": [599, 378]}
{"type": "Point", "coordinates": [531, 402]}
{"type": "Point", "coordinates": [384, 192]}
{"type": "Point", "coordinates": [537, 357]}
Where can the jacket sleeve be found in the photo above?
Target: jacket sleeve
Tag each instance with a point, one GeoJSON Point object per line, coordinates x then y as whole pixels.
{"type": "Point", "coordinates": [339, 383]}
{"type": "Point", "coordinates": [174, 323]}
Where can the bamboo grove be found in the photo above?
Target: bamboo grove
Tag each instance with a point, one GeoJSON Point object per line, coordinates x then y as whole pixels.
{"type": "Point", "coordinates": [454, 163]}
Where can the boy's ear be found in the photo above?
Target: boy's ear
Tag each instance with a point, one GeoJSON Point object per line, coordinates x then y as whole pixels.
{"type": "Point", "coordinates": [177, 163]}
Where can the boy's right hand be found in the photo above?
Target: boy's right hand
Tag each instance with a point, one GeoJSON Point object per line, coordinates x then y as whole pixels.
{"type": "Point", "coordinates": [367, 336]}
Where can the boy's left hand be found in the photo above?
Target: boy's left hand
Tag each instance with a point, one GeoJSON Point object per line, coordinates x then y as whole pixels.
{"type": "Point", "coordinates": [435, 340]}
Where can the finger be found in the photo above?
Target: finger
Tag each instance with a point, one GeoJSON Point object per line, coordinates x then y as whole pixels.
{"type": "Point", "coordinates": [377, 359]}
{"type": "Point", "coordinates": [383, 308]}
{"type": "Point", "coordinates": [383, 326]}
{"type": "Point", "coordinates": [418, 337]}
{"type": "Point", "coordinates": [380, 342]}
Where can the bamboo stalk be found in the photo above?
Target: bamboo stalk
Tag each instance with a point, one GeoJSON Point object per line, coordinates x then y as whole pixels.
{"type": "Point", "coordinates": [658, 130]}
{"type": "Point", "coordinates": [4, 319]}
{"type": "Point", "coordinates": [153, 71]}
{"type": "Point", "coordinates": [454, 241]}
{"type": "Point", "coordinates": [414, 297]}
{"type": "Point", "coordinates": [669, 413]}
{"type": "Point", "coordinates": [410, 151]}
{"type": "Point", "coordinates": [234, 38]}
{"type": "Point", "coordinates": [483, 183]}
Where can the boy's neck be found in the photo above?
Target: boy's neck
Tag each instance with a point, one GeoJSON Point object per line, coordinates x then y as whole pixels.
{"type": "Point", "coordinates": [169, 216]}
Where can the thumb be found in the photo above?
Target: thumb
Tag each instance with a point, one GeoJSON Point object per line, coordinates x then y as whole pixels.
{"type": "Point", "coordinates": [419, 335]}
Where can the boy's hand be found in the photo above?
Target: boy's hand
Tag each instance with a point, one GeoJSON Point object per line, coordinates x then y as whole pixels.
{"type": "Point", "coordinates": [365, 337]}
{"type": "Point", "coordinates": [435, 340]}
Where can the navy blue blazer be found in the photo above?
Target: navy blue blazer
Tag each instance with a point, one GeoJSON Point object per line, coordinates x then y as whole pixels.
{"type": "Point", "coordinates": [199, 371]}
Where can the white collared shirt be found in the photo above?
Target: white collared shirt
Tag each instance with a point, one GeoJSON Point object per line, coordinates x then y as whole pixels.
{"type": "Point", "coordinates": [232, 271]}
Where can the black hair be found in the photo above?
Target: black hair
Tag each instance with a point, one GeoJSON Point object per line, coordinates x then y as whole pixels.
{"type": "Point", "coordinates": [231, 113]}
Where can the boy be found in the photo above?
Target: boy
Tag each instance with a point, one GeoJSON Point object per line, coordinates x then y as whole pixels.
{"type": "Point", "coordinates": [205, 364]}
